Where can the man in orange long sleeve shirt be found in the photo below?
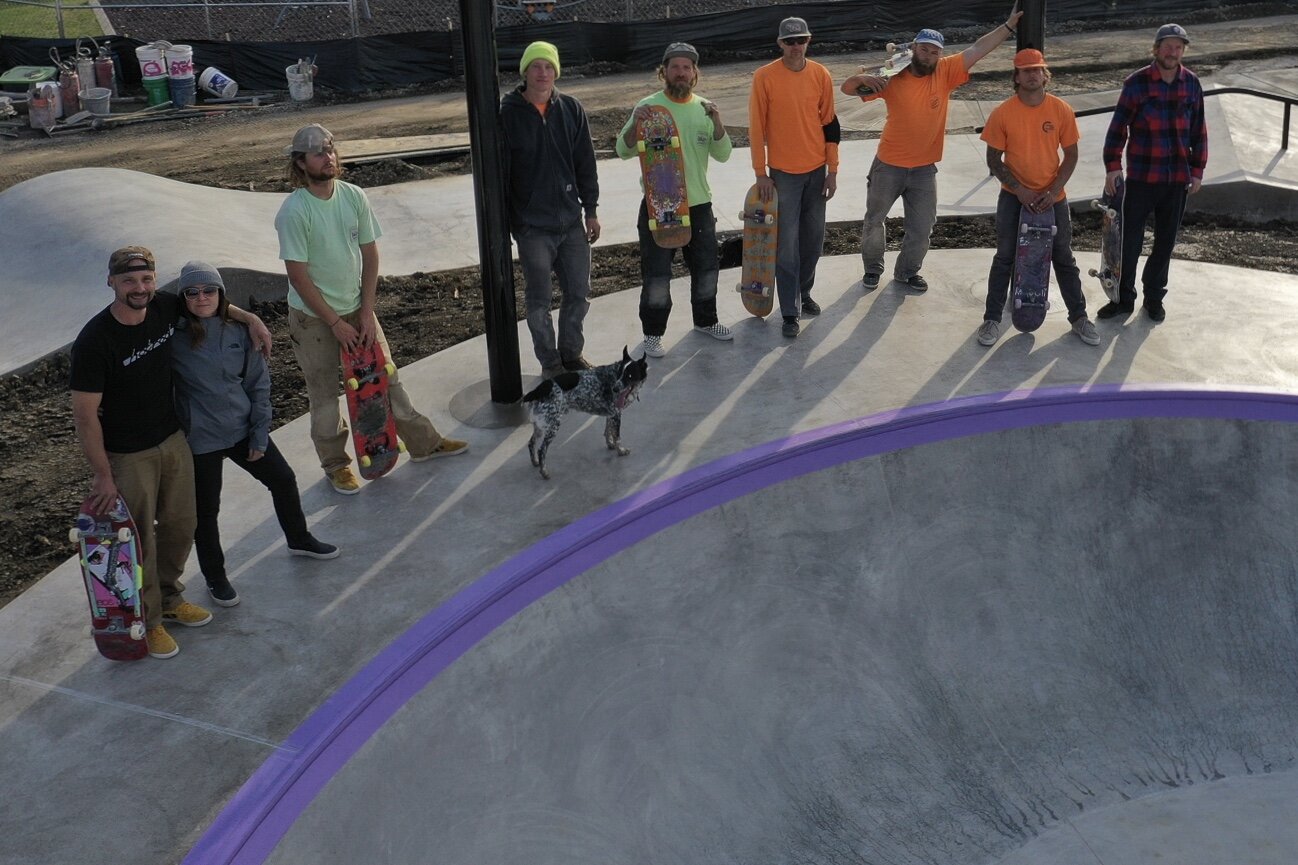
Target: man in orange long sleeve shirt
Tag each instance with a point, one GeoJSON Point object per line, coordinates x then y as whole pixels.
{"type": "Point", "coordinates": [911, 146]}
{"type": "Point", "coordinates": [794, 134]}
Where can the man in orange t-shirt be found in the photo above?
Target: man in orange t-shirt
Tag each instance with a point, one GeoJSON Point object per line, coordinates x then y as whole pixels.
{"type": "Point", "coordinates": [793, 134]}
{"type": "Point", "coordinates": [905, 165]}
{"type": "Point", "coordinates": [1025, 135]}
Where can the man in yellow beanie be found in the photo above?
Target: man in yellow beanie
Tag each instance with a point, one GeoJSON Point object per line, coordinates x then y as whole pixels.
{"type": "Point", "coordinates": [553, 194]}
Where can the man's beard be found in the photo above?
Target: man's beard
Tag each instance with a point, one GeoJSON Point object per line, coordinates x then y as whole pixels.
{"type": "Point", "coordinates": [679, 91]}
{"type": "Point", "coordinates": [918, 67]}
{"type": "Point", "coordinates": [321, 176]}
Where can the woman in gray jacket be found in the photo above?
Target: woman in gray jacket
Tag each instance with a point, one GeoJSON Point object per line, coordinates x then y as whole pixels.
{"type": "Point", "coordinates": [223, 400]}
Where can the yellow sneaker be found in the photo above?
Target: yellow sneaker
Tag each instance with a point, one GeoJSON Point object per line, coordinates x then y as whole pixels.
{"type": "Point", "coordinates": [445, 448]}
{"type": "Point", "coordinates": [344, 481]}
{"type": "Point", "coordinates": [160, 643]}
{"type": "Point", "coordinates": [187, 614]}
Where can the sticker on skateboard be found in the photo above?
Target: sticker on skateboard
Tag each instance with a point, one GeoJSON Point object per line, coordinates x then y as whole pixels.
{"type": "Point", "coordinates": [1110, 272]}
{"type": "Point", "coordinates": [108, 553]}
{"type": "Point", "coordinates": [374, 429]}
{"type": "Point", "coordinates": [761, 229]}
{"type": "Point", "coordinates": [662, 164]}
{"type": "Point", "coordinates": [1031, 295]}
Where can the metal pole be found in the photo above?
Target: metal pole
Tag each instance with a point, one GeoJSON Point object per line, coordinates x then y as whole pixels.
{"type": "Point", "coordinates": [207, 15]}
{"type": "Point", "coordinates": [482, 90]}
{"type": "Point", "coordinates": [351, 13]}
{"type": "Point", "coordinates": [1032, 26]}
{"type": "Point", "coordinates": [58, 13]}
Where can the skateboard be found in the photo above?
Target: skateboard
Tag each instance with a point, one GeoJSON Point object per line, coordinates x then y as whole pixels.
{"type": "Point", "coordinates": [663, 166]}
{"type": "Point", "coordinates": [898, 59]}
{"type": "Point", "coordinates": [110, 567]}
{"type": "Point", "coordinates": [1110, 272]}
{"type": "Point", "coordinates": [374, 429]}
{"type": "Point", "coordinates": [757, 281]}
{"type": "Point", "coordinates": [1031, 295]}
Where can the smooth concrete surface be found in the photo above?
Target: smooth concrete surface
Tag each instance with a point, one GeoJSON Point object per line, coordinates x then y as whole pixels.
{"type": "Point", "coordinates": [207, 720]}
{"type": "Point", "coordinates": [48, 292]}
{"type": "Point", "coordinates": [935, 655]}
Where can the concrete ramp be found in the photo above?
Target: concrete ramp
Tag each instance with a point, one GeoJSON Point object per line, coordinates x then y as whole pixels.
{"type": "Point", "coordinates": [1048, 627]}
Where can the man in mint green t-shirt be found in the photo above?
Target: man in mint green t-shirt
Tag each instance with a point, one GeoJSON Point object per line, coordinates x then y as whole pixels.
{"type": "Point", "coordinates": [703, 136]}
{"type": "Point", "coordinates": [328, 240]}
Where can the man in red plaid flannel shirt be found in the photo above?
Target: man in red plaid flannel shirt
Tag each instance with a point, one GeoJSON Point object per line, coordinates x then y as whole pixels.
{"type": "Point", "coordinates": [1159, 120]}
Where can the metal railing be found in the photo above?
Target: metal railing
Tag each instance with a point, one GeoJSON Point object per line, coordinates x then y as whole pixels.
{"type": "Point", "coordinates": [1289, 102]}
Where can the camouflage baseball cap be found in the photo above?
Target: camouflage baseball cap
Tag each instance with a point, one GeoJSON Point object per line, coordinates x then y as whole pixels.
{"type": "Point", "coordinates": [120, 260]}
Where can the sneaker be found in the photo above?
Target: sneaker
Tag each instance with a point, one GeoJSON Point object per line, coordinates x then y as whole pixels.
{"type": "Point", "coordinates": [313, 549]}
{"type": "Point", "coordinates": [1086, 331]}
{"type": "Point", "coordinates": [577, 364]}
{"type": "Point", "coordinates": [791, 327]}
{"type": "Point", "coordinates": [1114, 308]}
{"type": "Point", "coordinates": [445, 448]}
{"type": "Point", "coordinates": [187, 614]}
{"type": "Point", "coordinates": [344, 481]}
{"type": "Point", "coordinates": [917, 282]}
{"type": "Point", "coordinates": [810, 307]}
{"type": "Point", "coordinates": [160, 643]}
{"type": "Point", "coordinates": [989, 332]}
{"type": "Point", "coordinates": [653, 346]}
{"type": "Point", "coordinates": [552, 371]}
{"type": "Point", "coordinates": [870, 281]}
{"type": "Point", "coordinates": [1154, 309]}
{"type": "Point", "coordinates": [223, 594]}
{"type": "Point", "coordinates": [716, 331]}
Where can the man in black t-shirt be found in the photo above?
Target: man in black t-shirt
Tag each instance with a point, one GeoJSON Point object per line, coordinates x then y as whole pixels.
{"type": "Point", "coordinates": [126, 422]}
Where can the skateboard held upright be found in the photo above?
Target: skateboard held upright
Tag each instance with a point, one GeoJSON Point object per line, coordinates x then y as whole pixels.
{"type": "Point", "coordinates": [1031, 294]}
{"type": "Point", "coordinates": [662, 163]}
{"type": "Point", "coordinates": [110, 567]}
{"type": "Point", "coordinates": [761, 230]}
{"type": "Point", "coordinates": [374, 429]}
{"type": "Point", "coordinates": [898, 59]}
{"type": "Point", "coordinates": [1110, 272]}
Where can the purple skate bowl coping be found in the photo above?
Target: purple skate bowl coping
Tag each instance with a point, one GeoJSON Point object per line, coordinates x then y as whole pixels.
{"type": "Point", "coordinates": [1001, 612]}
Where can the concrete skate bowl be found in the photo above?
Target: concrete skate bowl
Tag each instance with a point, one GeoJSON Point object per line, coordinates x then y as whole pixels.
{"type": "Point", "coordinates": [1039, 627]}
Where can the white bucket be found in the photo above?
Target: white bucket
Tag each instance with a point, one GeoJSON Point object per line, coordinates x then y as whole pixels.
{"type": "Point", "coordinates": [152, 62]}
{"type": "Point", "coordinates": [180, 61]}
{"type": "Point", "coordinates": [217, 83]}
{"type": "Point", "coordinates": [300, 88]}
{"type": "Point", "coordinates": [95, 100]}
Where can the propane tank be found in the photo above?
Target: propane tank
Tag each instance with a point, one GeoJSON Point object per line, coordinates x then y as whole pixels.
{"type": "Point", "coordinates": [70, 85]}
{"type": "Point", "coordinates": [106, 72]}
{"type": "Point", "coordinates": [85, 65]}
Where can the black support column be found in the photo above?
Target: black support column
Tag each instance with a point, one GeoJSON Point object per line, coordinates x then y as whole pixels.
{"type": "Point", "coordinates": [1032, 26]}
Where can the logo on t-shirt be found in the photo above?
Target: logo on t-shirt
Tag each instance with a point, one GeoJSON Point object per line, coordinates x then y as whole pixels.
{"type": "Point", "coordinates": [701, 138]}
{"type": "Point", "coordinates": [149, 346]}
{"type": "Point", "coordinates": [1047, 127]}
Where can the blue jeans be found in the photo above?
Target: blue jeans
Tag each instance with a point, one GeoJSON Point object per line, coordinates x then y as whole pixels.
{"type": "Point", "coordinates": [917, 188]}
{"type": "Point", "coordinates": [1008, 211]}
{"type": "Point", "coordinates": [1166, 201]}
{"type": "Point", "coordinates": [801, 236]}
{"type": "Point", "coordinates": [567, 255]}
{"type": "Point", "coordinates": [700, 255]}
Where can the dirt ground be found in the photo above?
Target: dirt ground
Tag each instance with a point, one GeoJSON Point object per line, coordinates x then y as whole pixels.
{"type": "Point", "coordinates": [44, 475]}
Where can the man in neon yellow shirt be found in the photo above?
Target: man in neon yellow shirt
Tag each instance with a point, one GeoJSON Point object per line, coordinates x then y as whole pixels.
{"type": "Point", "coordinates": [703, 136]}
{"type": "Point", "coordinates": [328, 241]}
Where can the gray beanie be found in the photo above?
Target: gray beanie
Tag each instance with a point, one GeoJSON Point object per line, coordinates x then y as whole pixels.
{"type": "Point", "coordinates": [199, 273]}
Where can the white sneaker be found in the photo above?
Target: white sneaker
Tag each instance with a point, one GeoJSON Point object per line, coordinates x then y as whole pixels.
{"type": "Point", "coordinates": [989, 332]}
{"type": "Point", "coordinates": [716, 331]}
{"type": "Point", "coordinates": [1086, 331]}
{"type": "Point", "coordinates": [653, 346]}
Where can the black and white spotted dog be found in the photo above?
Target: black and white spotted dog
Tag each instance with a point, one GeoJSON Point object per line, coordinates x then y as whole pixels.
{"type": "Point", "coordinates": [604, 391]}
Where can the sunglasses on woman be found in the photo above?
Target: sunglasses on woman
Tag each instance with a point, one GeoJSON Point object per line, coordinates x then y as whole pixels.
{"type": "Point", "coordinates": [197, 290]}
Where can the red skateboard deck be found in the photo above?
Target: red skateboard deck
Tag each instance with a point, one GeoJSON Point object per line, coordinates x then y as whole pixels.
{"type": "Point", "coordinates": [761, 231]}
{"type": "Point", "coordinates": [110, 566]}
{"type": "Point", "coordinates": [662, 165]}
{"type": "Point", "coordinates": [1031, 295]}
{"type": "Point", "coordinates": [1110, 272]}
{"type": "Point", "coordinates": [374, 429]}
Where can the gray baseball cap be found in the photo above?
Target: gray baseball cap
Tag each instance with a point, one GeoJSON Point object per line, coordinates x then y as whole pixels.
{"type": "Point", "coordinates": [793, 27]}
{"type": "Point", "coordinates": [310, 139]}
{"type": "Point", "coordinates": [1171, 31]}
{"type": "Point", "coordinates": [681, 49]}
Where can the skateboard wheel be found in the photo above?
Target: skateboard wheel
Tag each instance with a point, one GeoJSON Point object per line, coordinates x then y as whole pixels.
{"type": "Point", "coordinates": [1110, 213]}
{"type": "Point", "coordinates": [1094, 272]}
{"type": "Point", "coordinates": [770, 220]}
{"type": "Point", "coordinates": [390, 368]}
{"type": "Point", "coordinates": [137, 630]}
{"type": "Point", "coordinates": [123, 534]}
{"type": "Point", "coordinates": [653, 225]}
{"type": "Point", "coordinates": [1018, 303]}
{"type": "Point", "coordinates": [1023, 228]}
{"type": "Point", "coordinates": [366, 461]}
{"type": "Point", "coordinates": [685, 220]}
{"type": "Point", "coordinates": [676, 142]}
{"type": "Point", "coordinates": [743, 217]}
{"type": "Point", "coordinates": [353, 384]}
{"type": "Point", "coordinates": [401, 446]}
{"type": "Point", "coordinates": [639, 145]}
{"type": "Point", "coordinates": [74, 535]}
{"type": "Point", "coordinates": [892, 47]}
{"type": "Point", "coordinates": [1054, 229]}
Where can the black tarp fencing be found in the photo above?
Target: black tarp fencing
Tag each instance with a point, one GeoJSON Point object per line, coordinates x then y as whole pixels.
{"type": "Point", "coordinates": [399, 60]}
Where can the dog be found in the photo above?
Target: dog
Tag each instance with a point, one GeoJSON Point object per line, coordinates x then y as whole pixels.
{"type": "Point", "coordinates": [604, 391]}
